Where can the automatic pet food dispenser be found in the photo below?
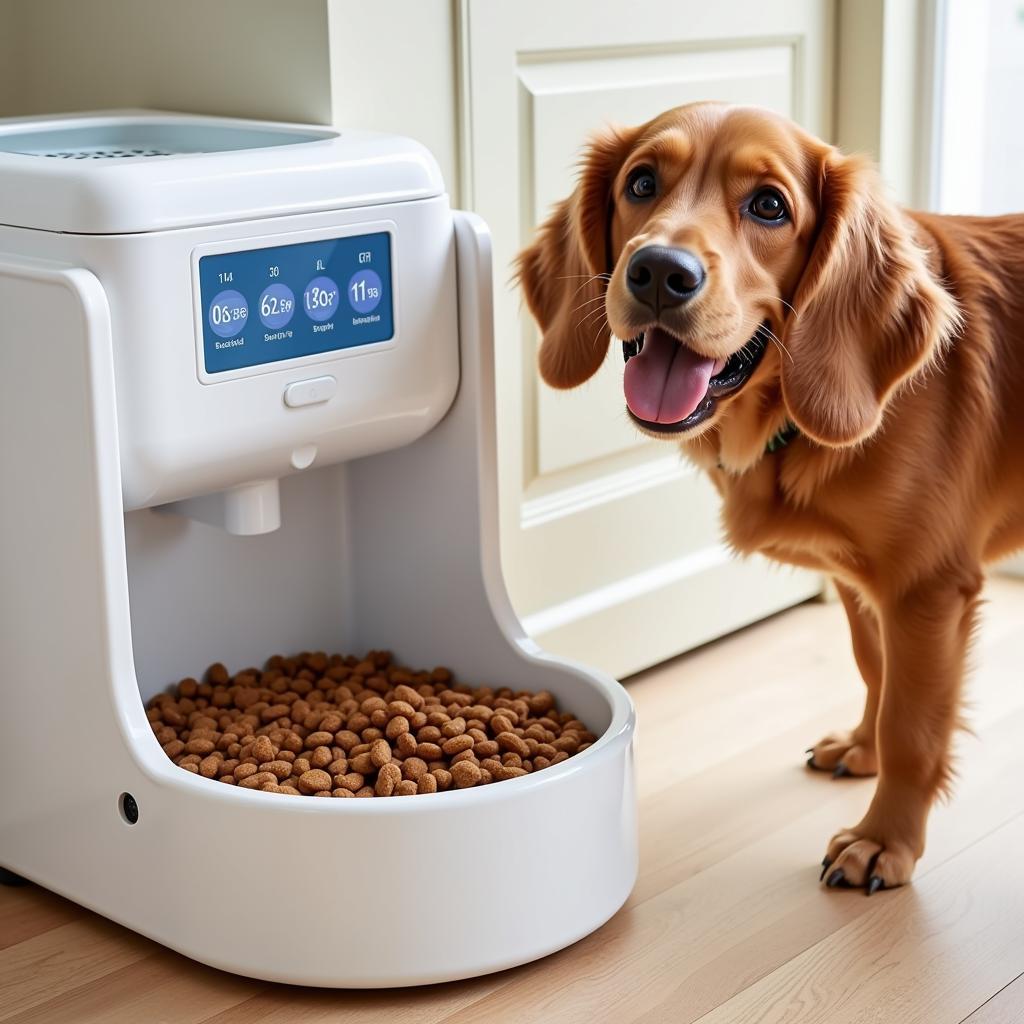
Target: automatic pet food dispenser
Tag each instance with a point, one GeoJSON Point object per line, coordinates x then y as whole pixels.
{"type": "Point", "coordinates": [246, 407]}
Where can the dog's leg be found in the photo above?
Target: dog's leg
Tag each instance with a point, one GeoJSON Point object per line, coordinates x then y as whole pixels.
{"type": "Point", "coordinates": [853, 752]}
{"type": "Point", "coordinates": [925, 637]}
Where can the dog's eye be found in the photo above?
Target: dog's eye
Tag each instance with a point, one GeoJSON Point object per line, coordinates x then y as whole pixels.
{"type": "Point", "coordinates": [641, 183]}
{"type": "Point", "coordinates": [768, 204]}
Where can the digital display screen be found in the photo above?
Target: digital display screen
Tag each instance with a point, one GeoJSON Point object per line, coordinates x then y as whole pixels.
{"type": "Point", "coordinates": [264, 305]}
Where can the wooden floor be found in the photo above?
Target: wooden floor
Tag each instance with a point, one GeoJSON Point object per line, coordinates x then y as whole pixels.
{"type": "Point", "coordinates": [727, 922]}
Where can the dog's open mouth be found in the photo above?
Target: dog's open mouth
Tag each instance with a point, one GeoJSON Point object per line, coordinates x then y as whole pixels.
{"type": "Point", "coordinates": [670, 388]}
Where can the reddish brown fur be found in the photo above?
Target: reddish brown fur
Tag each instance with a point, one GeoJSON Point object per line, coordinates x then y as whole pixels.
{"type": "Point", "coordinates": [900, 359]}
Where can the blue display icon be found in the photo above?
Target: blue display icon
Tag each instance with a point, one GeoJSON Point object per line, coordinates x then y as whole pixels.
{"type": "Point", "coordinates": [321, 299]}
{"type": "Point", "coordinates": [228, 313]}
{"type": "Point", "coordinates": [277, 306]}
{"type": "Point", "coordinates": [277, 281]}
{"type": "Point", "coordinates": [365, 291]}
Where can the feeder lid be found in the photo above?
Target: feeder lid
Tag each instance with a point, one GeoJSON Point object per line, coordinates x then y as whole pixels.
{"type": "Point", "coordinates": [117, 172]}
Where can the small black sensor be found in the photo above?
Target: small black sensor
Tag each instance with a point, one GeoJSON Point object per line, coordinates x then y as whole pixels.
{"type": "Point", "coordinates": [129, 808]}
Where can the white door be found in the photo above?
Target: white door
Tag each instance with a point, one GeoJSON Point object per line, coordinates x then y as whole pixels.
{"type": "Point", "coordinates": [610, 542]}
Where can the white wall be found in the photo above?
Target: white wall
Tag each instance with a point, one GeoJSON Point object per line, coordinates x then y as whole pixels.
{"type": "Point", "coordinates": [10, 57]}
{"type": "Point", "coordinates": [365, 96]}
{"type": "Point", "coordinates": [251, 58]}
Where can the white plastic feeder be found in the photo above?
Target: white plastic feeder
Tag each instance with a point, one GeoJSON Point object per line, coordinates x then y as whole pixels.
{"type": "Point", "coordinates": [246, 407]}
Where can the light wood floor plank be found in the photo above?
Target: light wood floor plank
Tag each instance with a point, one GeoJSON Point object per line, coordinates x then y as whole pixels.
{"type": "Point", "coordinates": [185, 993]}
{"type": "Point", "coordinates": [1005, 1007]}
{"type": "Point", "coordinates": [929, 954]}
{"type": "Point", "coordinates": [62, 959]}
{"type": "Point", "coordinates": [30, 911]}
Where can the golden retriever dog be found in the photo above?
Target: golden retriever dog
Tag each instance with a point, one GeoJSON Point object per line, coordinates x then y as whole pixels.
{"type": "Point", "coordinates": [851, 377]}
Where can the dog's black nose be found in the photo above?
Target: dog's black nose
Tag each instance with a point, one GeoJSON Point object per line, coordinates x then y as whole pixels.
{"type": "Point", "coordinates": [662, 277]}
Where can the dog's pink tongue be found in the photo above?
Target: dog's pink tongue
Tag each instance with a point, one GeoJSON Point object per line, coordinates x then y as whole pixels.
{"type": "Point", "coordinates": [667, 380]}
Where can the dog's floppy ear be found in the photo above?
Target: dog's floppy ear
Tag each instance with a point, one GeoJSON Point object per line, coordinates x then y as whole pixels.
{"type": "Point", "coordinates": [868, 312]}
{"type": "Point", "coordinates": [561, 272]}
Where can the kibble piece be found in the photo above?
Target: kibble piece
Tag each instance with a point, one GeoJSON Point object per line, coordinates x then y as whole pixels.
{"type": "Point", "coordinates": [413, 768]}
{"type": "Point", "coordinates": [396, 727]}
{"type": "Point", "coordinates": [409, 696]}
{"type": "Point", "coordinates": [514, 744]}
{"type": "Point", "coordinates": [457, 744]}
{"type": "Point", "coordinates": [401, 707]}
{"type": "Point", "coordinates": [281, 769]}
{"type": "Point", "coordinates": [405, 788]}
{"type": "Point", "coordinates": [217, 674]}
{"type": "Point", "coordinates": [453, 727]}
{"type": "Point", "coordinates": [501, 723]}
{"type": "Point", "coordinates": [320, 738]}
{"type": "Point", "coordinates": [346, 739]}
{"type": "Point", "coordinates": [174, 748]}
{"type": "Point", "coordinates": [465, 774]}
{"type": "Point", "coordinates": [274, 712]}
{"type": "Point", "coordinates": [315, 781]}
{"type": "Point", "coordinates": [259, 780]}
{"type": "Point", "coordinates": [263, 750]}
{"type": "Point", "coordinates": [388, 777]}
{"type": "Point", "coordinates": [362, 763]}
{"type": "Point", "coordinates": [352, 781]}
{"type": "Point", "coordinates": [405, 744]}
{"type": "Point", "coordinates": [321, 757]}
{"type": "Point", "coordinates": [380, 752]}
{"type": "Point", "coordinates": [426, 783]}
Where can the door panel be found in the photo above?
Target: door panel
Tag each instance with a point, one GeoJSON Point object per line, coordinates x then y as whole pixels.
{"type": "Point", "coordinates": [601, 526]}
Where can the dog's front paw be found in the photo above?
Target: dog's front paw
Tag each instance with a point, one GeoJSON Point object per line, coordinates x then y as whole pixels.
{"type": "Point", "coordinates": [843, 753]}
{"type": "Point", "coordinates": [857, 859]}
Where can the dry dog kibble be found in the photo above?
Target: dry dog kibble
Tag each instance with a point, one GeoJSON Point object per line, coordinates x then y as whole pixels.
{"type": "Point", "coordinates": [331, 726]}
{"type": "Point", "coordinates": [315, 781]}
{"type": "Point", "coordinates": [465, 774]}
{"type": "Point", "coordinates": [389, 776]}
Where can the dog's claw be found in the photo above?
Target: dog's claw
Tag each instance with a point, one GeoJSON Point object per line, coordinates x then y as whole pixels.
{"type": "Point", "coordinates": [840, 771]}
{"type": "Point", "coordinates": [810, 762]}
{"type": "Point", "coordinates": [837, 879]}
{"type": "Point", "coordinates": [825, 865]}
{"type": "Point", "coordinates": [874, 884]}
{"type": "Point", "coordinates": [809, 750]}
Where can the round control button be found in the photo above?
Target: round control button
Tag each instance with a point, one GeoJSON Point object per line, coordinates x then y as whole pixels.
{"type": "Point", "coordinates": [277, 305]}
{"type": "Point", "coordinates": [320, 298]}
{"type": "Point", "coordinates": [228, 313]}
{"type": "Point", "coordinates": [365, 291]}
